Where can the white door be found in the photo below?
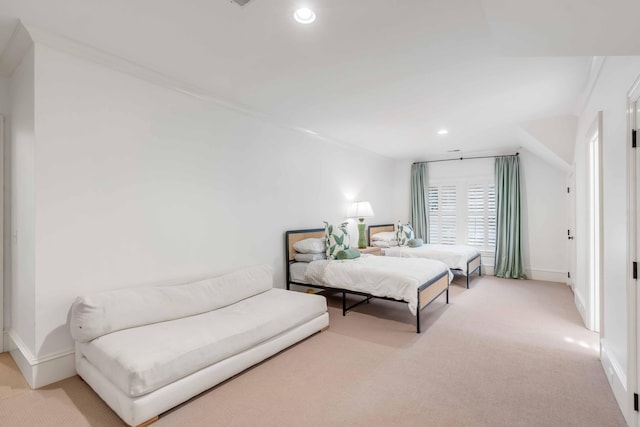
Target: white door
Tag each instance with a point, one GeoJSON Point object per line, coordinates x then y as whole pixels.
{"type": "Point", "coordinates": [571, 226]}
{"type": "Point", "coordinates": [633, 296]}
{"type": "Point", "coordinates": [634, 246]}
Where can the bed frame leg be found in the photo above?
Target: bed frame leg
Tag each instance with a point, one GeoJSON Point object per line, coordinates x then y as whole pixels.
{"type": "Point", "coordinates": [467, 279]}
{"type": "Point", "coordinates": [344, 304]}
{"type": "Point", "coordinates": [418, 320]}
{"type": "Point", "coordinates": [447, 295]}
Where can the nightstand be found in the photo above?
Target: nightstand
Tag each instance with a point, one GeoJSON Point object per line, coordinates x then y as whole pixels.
{"type": "Point", "coordinates": [372, 250]}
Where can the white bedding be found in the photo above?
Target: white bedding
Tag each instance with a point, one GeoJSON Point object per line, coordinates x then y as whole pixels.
{"type": "Point", "coordinates": [298, 271]}
{"type": "Point", "coordinates": [455, 256]}
{"type": "Point", "coordinates": [397, 278]}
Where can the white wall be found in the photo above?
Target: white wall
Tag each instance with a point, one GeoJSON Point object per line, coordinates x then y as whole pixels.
{"type": "Point", "coordinates": [461, 169]}
{"type": "Point", "coordinates": [544, 219]}
{"type": "Point", "coordinates": [401, 200]}
{"type": "Point", "coordinates": [22, 293]}
{"type": "Point", "coordinates": [5, 295]}
{"type": "Point", "coordinates": [556, 133]}
{"type": "Point", "coordinates": [138, 184]}
{"type": "Point", "coordinates": [609, 96]}
{"type": "Point", "coordinates": [543, 199]}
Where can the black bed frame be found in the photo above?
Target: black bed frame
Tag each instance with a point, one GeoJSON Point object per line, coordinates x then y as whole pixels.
{"type": "Point", "coordinates": [478, 268]}
{"type": "Point", "coordinates": [367, 296]}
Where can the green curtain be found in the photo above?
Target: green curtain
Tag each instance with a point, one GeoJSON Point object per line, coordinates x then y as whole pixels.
{"type": "Point", "coordinates": [508, 256]}
{"type": "Point", "coordinates": [419, 202]}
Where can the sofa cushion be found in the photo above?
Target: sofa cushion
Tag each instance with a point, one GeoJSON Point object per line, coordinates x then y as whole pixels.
{"type": "Point", "coordinates": [143, 359]}
{"type": "Point", "coordinates": [102, 313]}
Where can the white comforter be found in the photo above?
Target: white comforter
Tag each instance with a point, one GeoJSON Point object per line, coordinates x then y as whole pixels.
{"type": "Point", "coordinates": [455, 256]}
{"type": "Point", "coordinates": [397, 278]}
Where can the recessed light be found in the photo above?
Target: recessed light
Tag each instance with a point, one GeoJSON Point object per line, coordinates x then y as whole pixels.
{"type": "Point", "coordinates": [304, 15]}
{"type": "Point", "coordinates": [443, 132]}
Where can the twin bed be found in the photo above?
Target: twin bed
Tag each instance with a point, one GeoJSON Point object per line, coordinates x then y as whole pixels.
{"type": "Point", "coordinates": [416, 281]}
{"type": "Point", "coordinates": [461, 259]}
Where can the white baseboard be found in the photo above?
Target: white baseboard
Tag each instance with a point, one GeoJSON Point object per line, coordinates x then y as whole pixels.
{"type": "Point", "coordinates": [617, 379]}
{"type": "Point", "coordinates": [42, 371]}
{"type": "Point", "coordinates": [6, 341]}
{"type": "Point", "coordinates": [546, 275]}
{"type": "Point", "coordinates": [582, 309]}
{"type": "Point", "coordinates": [534, 274]}
{"type": "Point", "coordinates": [572, 284]}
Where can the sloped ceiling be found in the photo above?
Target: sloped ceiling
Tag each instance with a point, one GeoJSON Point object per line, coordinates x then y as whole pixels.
{"type": "Point", "coordinates": [384, 75]}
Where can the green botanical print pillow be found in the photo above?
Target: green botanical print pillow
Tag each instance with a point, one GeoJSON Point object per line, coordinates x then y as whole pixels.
{"type": "Point", "coordinates": [336, 238]}
{"type": "Point", "coordinates": [404, 233]}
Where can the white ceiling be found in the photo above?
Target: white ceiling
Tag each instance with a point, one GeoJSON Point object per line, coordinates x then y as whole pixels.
{"type": "Point", "coordinates": [380, 74]}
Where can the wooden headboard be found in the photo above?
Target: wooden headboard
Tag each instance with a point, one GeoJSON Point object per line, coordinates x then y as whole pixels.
{"type": "Point", "coordinates": [293, 236]}
{"type": "Point", "coordinates": [373, 229]}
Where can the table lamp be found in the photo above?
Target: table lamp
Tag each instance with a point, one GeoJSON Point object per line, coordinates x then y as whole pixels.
{"type": "Point", "coordinates": [361, 210]}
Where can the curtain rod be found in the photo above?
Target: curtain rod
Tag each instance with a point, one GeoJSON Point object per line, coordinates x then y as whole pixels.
{"type": "Point", "coordinates": [467, 158]}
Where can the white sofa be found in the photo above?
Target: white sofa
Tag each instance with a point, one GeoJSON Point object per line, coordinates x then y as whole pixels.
{"type": "Point", "coordinates": [145, 350]}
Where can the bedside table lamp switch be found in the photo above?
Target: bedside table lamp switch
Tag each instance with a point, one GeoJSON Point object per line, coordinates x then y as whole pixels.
{"type": "Point", "coordinates": [361, 210]}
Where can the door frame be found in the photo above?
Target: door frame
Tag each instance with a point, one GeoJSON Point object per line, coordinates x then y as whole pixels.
{"type": "Point", "coordinates": [633, 97]}
{"type": "Point", "coordinates": [595, 300]}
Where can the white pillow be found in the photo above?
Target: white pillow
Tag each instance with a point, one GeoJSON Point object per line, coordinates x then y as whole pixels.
{"type": "Point", "coordinates": [385, 235]}
{"type": "Point", "coordinates": [310, 246]}
{"type": "Point", "coordinates": [309, 257]}
{"type": "Point", "coordinates": [101, 313]}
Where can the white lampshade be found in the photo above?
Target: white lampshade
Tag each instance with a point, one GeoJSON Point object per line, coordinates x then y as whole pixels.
{"type": "Point", "coordinates": [360, 210]}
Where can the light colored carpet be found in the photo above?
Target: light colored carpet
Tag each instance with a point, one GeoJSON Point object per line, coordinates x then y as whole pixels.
{"type": "Point", "coordinates": [504, 353]}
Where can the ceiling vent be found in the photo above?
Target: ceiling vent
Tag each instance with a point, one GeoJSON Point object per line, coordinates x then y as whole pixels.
{"type": "Point", "coordinates": [241, 2]}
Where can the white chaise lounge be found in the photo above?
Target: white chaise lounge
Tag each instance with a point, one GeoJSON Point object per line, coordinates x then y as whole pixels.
{"type": "Point", "coordinates": [145, 350]}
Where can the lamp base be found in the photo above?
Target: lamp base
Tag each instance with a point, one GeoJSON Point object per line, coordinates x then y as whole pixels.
{"type": "Point", "coordinates": [362, 241]}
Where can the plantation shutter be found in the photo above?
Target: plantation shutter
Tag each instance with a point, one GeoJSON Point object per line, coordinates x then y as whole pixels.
{"type": "Point", "coordinates": [481, 215]}
{"type": "Point", "coordinates": [442, 214]}
{"type": "Point", "coordinates": [491, 215]}
{"type": "Point", "coordinates": [476, 223]}
{"type": "Point", "coordinates": [434, 219]}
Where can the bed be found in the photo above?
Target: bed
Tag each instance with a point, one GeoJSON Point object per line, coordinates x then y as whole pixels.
{"type": "Point", "coordinates": [418, 282]}
{"type": "Point", "coordinates": [461, 259]}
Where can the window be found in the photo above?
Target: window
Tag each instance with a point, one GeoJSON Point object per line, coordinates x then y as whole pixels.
{"type": "Point", "coordinates": [481, 215]}
{"type": "Point", "coordinates": [463, 213]}
{"type": "Point", "coordinates": [442, 214]}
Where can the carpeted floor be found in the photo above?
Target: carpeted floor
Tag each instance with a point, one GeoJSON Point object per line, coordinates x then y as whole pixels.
{"type": "Point", "coordinates": [504, 353]}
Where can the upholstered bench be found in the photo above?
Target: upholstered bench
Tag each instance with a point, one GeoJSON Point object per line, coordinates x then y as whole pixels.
{"type": "Point", "coordinates": [145, 350]}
